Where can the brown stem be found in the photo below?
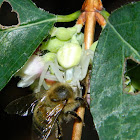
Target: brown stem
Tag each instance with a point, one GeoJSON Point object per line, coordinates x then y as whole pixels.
{"type": "Point", "coordinates": [100, 19]}
{"type": "Point", "coordinates": [77, 127]}
{"type": "Point", "coordinates": [81, 19]}
{"type": "Point", "coordinates": [89, 7]}
{"type": "Point", "coordinates": [89, 29]}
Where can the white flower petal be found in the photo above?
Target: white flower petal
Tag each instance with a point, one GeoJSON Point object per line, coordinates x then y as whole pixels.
{"type": "Point", "coordinates": [30, 71]}
{"type": "Point", "coordinates": [26, 81]}
{"type": "Point", "coordinates": [34, 66]}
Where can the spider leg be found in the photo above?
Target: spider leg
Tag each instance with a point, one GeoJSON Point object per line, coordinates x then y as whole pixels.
{"type": "Point", "coordinates": [57, 72]}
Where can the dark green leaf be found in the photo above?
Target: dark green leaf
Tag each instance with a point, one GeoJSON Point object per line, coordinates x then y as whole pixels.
{"type": "Point", "coordinates": [17, 43]}
{"type": "Point", "coordinates": [116, 114]}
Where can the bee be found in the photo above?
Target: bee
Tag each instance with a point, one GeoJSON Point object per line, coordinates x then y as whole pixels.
{"type": "Point", "coordinates": [50, 108]}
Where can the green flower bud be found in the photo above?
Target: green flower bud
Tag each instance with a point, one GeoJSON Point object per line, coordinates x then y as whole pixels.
{"type": "Point", "coordinates": [49, 57]}
{"type": "Point", "coordinates": [93, 46]}
{"type": "Point", "coordinates": [69, 55]}
{"type": "Point", "coordinates": [78, 27]}
{"type": "Point", "coordinates": [52, 45]}
{"type": "Point", "coordinates": [80, 38]}
{"type": "Point", "coordinates": [65, 33]}
{"type": "Point", "coordinates": [74, 40]}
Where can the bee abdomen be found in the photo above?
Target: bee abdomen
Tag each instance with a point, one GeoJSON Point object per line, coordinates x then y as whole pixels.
{"type": "Point", "coordinates": [39, 120]}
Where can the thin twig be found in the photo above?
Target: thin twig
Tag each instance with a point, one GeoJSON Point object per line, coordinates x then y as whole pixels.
{"type": "Point", "coordinates": [89, 17]}
{"type": "Point", "coordinates": [77, 127]}
{"type": "Point", "coordinates": [89, 29]}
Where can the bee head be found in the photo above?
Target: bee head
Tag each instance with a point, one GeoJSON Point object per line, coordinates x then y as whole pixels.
{"type": "Point", "coordinates": [61, 92]}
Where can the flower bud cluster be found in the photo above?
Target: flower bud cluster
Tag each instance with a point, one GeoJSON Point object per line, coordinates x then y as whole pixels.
{"type": "Point", "coordinates": [66, 60]}
{"type": "Point", "coordinates": [65, 43]}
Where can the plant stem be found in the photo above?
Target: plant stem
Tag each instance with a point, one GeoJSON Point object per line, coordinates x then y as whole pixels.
{"type": "Point", "coordinates": [105, 14]}
{"type": "Point", "coordinates": [68, 18]}
{"type": "Point", "coordinates": [89, 29]}
{"type": "Point", "coordinates": [89, 7]}
{"type": "Point", "coordinates": [77, 127]}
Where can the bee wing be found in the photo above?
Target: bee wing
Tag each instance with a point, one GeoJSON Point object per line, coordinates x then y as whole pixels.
{"type": "Point", "coordinates": [22, 106]}
{"type": "Point", "coordinates": [51, 119]}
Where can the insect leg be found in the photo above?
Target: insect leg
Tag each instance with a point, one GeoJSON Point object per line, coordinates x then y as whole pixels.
{"type": "Point", "coordinates": [83, 101]}
{"type": "Point", "coordinates": [74, 115]}
{"type": "Point", "coordinates": [58, 131]}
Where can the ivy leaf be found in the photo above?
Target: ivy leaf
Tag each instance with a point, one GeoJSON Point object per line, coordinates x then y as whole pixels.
{"type": "Point", "coordinates": [116, 114]}
{"type": "Point", "coordinates": [18, 42]}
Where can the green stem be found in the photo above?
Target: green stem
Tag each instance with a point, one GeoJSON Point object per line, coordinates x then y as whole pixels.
{"type": "Point", "coordinates": [105, 14]}
{"type": "Point", "coordinates": [68, 18]}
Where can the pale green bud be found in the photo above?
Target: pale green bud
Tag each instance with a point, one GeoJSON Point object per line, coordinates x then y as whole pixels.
{"type": "Point", "coordinates": [74, 40]}
{"type": "Point", "coordinates": [127, 80]}
{"type": "Point", "coordinates": [80, 38]}
{"type": "Point", "coordinates": [131, 89]}
{"type": "Point", "coordinates": [52, 45]}
{"type": "Point", "coordinates": [49, 57]}
{"type": "Point", "coordinates": [93, 46]}
{"type": "Point", "coordinates": [69, 55]}
{"type": "Point", "coordinates": [78, 27]}
{"type": "Point", "coordinates": [65, 33]}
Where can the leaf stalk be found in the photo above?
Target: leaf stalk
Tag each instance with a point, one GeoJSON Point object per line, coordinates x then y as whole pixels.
{"type": "Point", "coordinates": [68, 18]}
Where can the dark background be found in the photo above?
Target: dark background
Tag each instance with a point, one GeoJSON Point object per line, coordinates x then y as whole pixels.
{"type": "Point", "coordinates": [14, 127]}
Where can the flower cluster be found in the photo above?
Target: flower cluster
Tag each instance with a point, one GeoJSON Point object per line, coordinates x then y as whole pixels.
{"type": "Point", "coordinates": [66, 60]}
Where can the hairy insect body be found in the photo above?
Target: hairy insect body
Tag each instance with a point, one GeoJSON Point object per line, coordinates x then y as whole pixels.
{"type": "Point", "coordinates": [49, 108]}
{"type": "Point", "coordinates": [57, 105]}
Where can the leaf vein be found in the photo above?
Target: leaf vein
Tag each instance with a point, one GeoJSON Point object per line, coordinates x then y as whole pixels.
{"type": "Point", "coordinates": [22, 54]}
{"type": "Point", "coordinates": [130, 22]}
{"type": "Point", "coordinates": [123, 40]}
{"type": "Point", "coordinates": [28, 25]}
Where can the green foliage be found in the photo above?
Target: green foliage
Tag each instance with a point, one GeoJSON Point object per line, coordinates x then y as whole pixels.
{"type": "Point", "coordinates": [116, 114]}
{"type": "Point", "coordinates": [18, 43]}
